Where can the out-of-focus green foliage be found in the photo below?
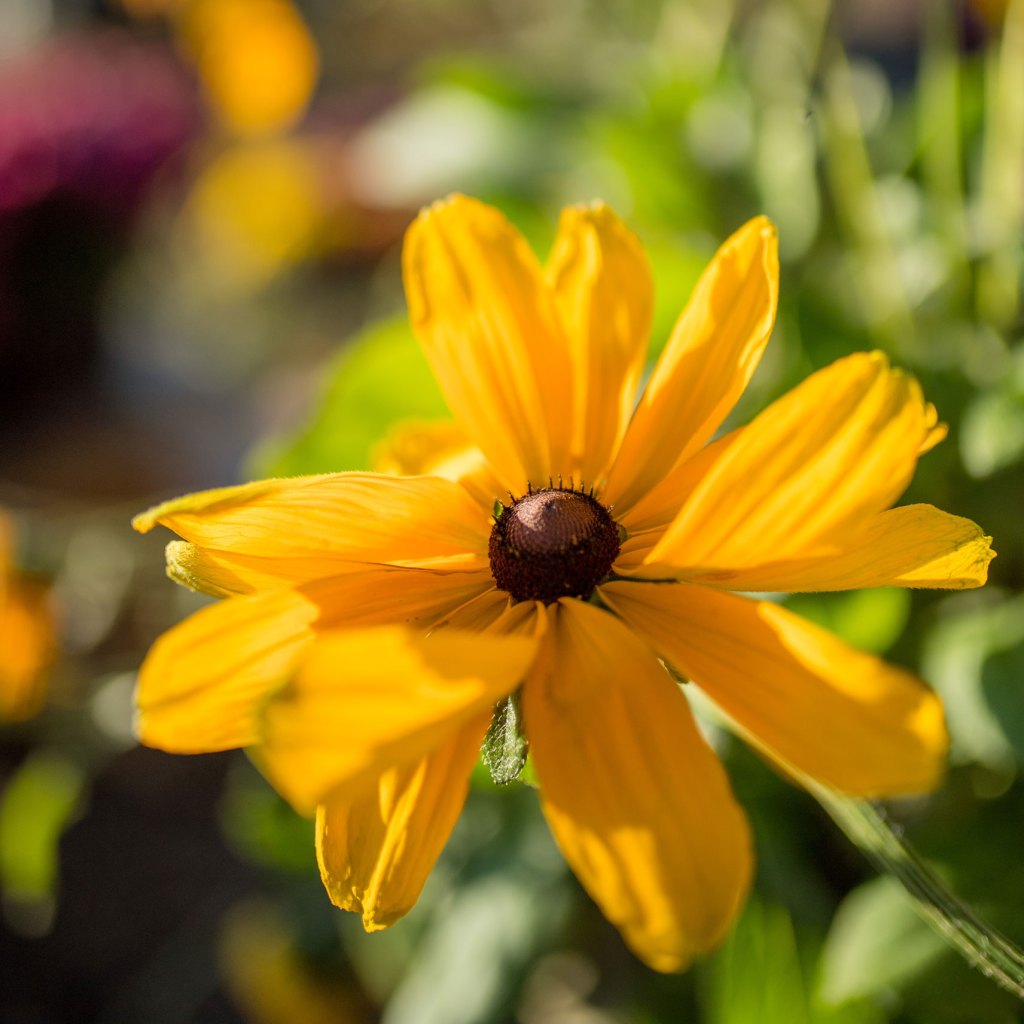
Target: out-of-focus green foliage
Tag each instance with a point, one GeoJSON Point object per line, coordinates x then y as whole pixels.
{"type": "Point", "coordinates": [765, 973]}
{"type": "Point", "coordinates": [379, 378]}
{"type": "Point", "coordinates": [877, 942]}
{"type": "Point", "coordinates": [35, 808]}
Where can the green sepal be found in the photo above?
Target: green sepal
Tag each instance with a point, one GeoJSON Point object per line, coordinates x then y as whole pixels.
{"type": "Point", "coordinates": [623, 533]}
{"type": "Point", "coordinates": [505, 747]}
{"type": "Point", "coordinates": [497, 510]}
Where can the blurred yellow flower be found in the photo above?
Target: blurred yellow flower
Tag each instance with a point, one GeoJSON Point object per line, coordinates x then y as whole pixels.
{"type": "Point", "coordinates": [256, 58]}
{"type": "Point", "coordinates": [255, 211]}
{"type": "Point", "coordinates": [268, 979]}
{"type": "Point", "coordinates": [26, 636]}
{"type": "Point", "coordinates": [374, 623]}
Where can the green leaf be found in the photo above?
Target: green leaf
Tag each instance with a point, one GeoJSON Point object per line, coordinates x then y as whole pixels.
{"type": "Point", "coordinates": [870, 620]}
{"type": "Point", "coordinates": [40, 801]}
{"type": "Point", "coordinates": [877, 941]}
{"type": "Point", "coordinates": [992, 434]}
{"type": "Point", "coordinates": [379, 378]}
{"type": "Point", "coordinates": [756, 975]}
{"type": "Point", "coordinates": [973, 660]}
{"type": "Point", "coordinates": [260, 825]}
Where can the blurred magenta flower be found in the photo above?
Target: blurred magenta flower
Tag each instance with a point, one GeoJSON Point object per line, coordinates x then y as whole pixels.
{"type": "Point", "coordinates": [93, 115]}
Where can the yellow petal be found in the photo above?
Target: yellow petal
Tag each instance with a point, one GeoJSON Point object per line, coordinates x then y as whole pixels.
{"type": "Point", "coordinates": [376, 849]}
{"type": "Point", "coordinates": [802, 696]}
{"type": "Point", "coordinates": [363, 701]}
{"type": "Point", "coordinates": [656, 509]}
{"type": "Point", "coordinates": [203, 681]}
{"type": "Point", "coordinates": [480, 613]}
{"type": "Point", "coordinates": [481, 309]}
{"type": "Point", "coordinates": [602, 286]}
{"type": "Point", "coordinates": [936, 431]}
{"type": "Point", "coordinates": [438, 448]}
{"type": "Point", "coordinates": [496, 612]}
{"type": "Point", "coordinates": [416, 598]}
{"type": "Point", "coordinates": [363, 517]}
{"type": "Point", "coordinates": [910, 546]}
{"type": "Point", "coordinates": [710, 358]}
{"type": "Point", "coordinates": [638, 803]}
{"type": "Point", "coordinates": [814, 467]}
{"type": "Point", "coordinates": [223, 573]}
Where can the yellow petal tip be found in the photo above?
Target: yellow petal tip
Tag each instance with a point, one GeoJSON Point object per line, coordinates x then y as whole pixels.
{"type": "Point", "coordinates": [764, 226]}
{"type": "Point", "coordinates": [145, 521]}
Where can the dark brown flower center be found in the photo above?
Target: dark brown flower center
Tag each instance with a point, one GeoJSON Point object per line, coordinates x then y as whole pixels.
{"type": "Point", "coordinates": [552, 543]}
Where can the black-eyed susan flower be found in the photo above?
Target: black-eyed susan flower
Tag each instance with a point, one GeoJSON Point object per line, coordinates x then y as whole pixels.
{"type": "Point", "coordinates": [572, 547]}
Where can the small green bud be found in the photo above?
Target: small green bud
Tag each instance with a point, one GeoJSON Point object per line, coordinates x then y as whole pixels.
{"type": "Point", "coordinates": [497, 510]}
{"type": "Point", "coordinates": [505, 747]}
{"type": "Point", "coordinates": [623, 535]}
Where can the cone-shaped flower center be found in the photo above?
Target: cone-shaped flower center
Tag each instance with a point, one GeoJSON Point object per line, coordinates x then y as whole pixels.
{"type": "Point", "coordinates": [552, 543]}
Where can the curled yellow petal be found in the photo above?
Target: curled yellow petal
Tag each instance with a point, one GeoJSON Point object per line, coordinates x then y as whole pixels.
{"type": "Point", "coordinates": [363, 701]}
{"type": "Point", "coordinates": [203, 682]}
{"type": "Point", "coordinates": [288, 527]}
{"type": "Point", "coordinates": [376, 848]}
{"type": "Point", "coordinates": [223, 573]}
{"type": "Point", "coordinates": [638, 803]}
{"type": "Point", "coordinates": [912, 546]}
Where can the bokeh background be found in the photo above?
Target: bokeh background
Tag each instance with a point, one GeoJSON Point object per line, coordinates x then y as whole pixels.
{"type": "Point", "coordinates": [201, 211]}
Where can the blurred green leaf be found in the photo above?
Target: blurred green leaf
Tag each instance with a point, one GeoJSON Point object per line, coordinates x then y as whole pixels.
{"type": "Point", "coordinates": [262, 826]}
{"type": "Point", "coordinates": [473, 956]}
{"type": "Point", "coordinates": [992, 433]}
{"type": "Point", "coordinates": [870, 620]}
{"type": "Point", "coordinates": [378, 378]}
{"type": "Point", "coordinates": [756, 975]}
{"type": "Point", "coordinates": [973, 660]}
{"type": "Point", "coordinates": [38, 804]}
{"type": "Point", "coordinates": [760, 975]}
{"type": "Point", "coordinates": [877, 941]}
{"type": "Point", "coordinates": [1002, 685]}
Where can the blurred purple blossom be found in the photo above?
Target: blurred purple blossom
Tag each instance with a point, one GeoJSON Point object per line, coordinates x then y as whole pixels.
{"type": "Point", "coordinates": [95, 116]}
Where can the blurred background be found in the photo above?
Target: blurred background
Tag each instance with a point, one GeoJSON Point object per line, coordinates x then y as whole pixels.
{"type": "Point", "coordinates": [201, 211]}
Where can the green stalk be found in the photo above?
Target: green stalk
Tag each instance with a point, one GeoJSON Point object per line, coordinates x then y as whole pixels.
{"type": "Point", "coordinates": [977, 942]}
{"type": "Point", "coordinates": [1001, 205]}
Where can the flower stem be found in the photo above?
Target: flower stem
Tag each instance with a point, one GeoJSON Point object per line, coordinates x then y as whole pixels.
{"type": "Point", "coordinates": [983, 947]}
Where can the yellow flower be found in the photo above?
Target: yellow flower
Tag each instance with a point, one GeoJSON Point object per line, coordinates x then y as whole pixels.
{"type": "Point", "coordinates": [257, 61]}
{"type": "Point", "coordinates": [373, 622]}
{"type": "Point", "coordinates": [26, 636]}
